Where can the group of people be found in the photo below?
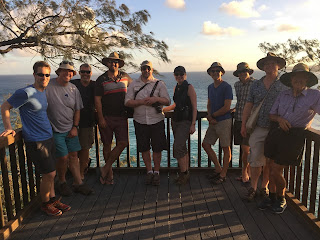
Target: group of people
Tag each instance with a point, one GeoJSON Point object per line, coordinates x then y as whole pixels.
{"type": "Point", "coordinates": [58, 118]}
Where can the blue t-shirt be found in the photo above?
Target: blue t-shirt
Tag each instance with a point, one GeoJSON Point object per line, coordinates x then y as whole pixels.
{"type": "Point", "coordinates": [217, 96]}
{"type": "Point", "coordinates": [32, 106]}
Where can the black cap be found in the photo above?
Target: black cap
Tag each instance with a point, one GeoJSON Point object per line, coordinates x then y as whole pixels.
{"type": "Point", "coordinates": [179, 69]}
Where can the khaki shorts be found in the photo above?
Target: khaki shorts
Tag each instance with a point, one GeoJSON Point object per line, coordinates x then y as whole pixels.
{"type": "Point", "coordinates": [256, 141]}
{"type": "Point", "coordinates": [221, 130]}
{"type": "Point", "coordinates": [86, 137]}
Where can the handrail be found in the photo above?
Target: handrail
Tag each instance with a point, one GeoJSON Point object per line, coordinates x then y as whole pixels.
{"type": "Point", "coordinates": [21, 183]}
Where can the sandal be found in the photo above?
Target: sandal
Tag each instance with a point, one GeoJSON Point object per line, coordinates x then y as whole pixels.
{"type": "Point", "coordinates": [218, 180]}
{"type": "Point", "coordinates": [107, 181]}
{"type": "Point", "coordinates": [101, 179]}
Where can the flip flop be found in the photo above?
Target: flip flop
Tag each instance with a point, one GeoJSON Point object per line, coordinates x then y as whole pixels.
{"type": "Point", "coordinates": [109, 182]}
{"type": "Point", "coordinates": [102, 179]}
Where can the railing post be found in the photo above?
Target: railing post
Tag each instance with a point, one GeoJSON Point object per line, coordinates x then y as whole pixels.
{"type": "Point", "coordinates": [96, 140]}
{"type": "Point", "coordinates": [199, 143]}
{"type": "Point", "coordinates": [168, 143]}
{"type": "Point", "coordinates": [23, 175]}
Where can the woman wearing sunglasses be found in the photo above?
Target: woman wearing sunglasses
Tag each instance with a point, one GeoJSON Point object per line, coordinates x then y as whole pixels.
{"type": "Point", "coordinates": [183, 121]}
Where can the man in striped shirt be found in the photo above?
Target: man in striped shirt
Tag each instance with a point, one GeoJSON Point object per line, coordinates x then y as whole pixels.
{"type": "Point", "coordinates": [110, 91]}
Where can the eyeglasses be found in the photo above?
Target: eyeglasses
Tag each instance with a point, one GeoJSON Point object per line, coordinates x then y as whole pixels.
{"type": "Point", "coordinates": [67, 62]}
{"type": "Point", "coordinates": [144, 68]}
{"type": "Point", "coordinates": [178, 74]}
{"type": "Point", "coordinates": [42, 75]}
{"type": "Point", "coordinates": [113, 61]}
{"type": "Point", "coordinates": [84, 71]}
{"type": "Point", "coordinates": [215, 71]}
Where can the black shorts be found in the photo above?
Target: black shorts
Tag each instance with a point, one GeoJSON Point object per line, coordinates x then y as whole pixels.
{"type": "Point", "coordinates": [42, 154]}
{"type": "Point", "coordinates": [237, 137]}
{"type": "Point", "coordinates": [154, 134]}
{"type": "Point", "coordinates": [285, 148]}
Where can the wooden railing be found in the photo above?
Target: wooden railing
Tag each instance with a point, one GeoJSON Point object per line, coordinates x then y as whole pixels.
{"type": "Point", "coordinates": [20, 183]}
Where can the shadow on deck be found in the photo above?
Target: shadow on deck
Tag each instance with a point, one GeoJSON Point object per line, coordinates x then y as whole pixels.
{"type": "Point", "coordinates": [131, 210]}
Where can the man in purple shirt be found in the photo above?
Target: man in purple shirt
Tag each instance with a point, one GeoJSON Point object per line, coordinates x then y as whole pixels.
{"type": "Point", "coordinates": [291, 114]}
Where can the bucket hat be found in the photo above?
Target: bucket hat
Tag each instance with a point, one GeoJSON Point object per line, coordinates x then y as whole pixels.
{"type": "Point", "coordinates": [300, 67]}
{"type": "Point", "coordinates": [271, 56]}
{"type": "Point", "coordinates": [66, 65]}
{"type": "Point", "coordinates": [146, 63]}
{"type": "Point", "coordinates": [242, 66]}
{"type": "Point", "coordinates": [215, 64]}
{"type": "Point", "coordinates": [113, 56]}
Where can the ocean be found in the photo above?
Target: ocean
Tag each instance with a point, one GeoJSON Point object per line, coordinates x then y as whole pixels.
{"type": "Point", "coordinates": [200, 81]}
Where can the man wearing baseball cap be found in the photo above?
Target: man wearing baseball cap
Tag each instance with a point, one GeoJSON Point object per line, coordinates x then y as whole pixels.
{"type": "Point", "coordinates": [64, 104]}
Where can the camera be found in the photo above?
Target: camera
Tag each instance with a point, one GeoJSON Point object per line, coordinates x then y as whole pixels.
{"type": "Point", "coordinates": [157, 106]}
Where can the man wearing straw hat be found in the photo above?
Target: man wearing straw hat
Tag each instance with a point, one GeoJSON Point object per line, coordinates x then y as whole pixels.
{"type": "Point", "coordinates": [64, 104]}
{"type": "Point", "coordinates": [266, 89]}
{"type": "Point", "coordinates": [110, 91]}
{"type": "Point", "coordinates": [242, 88]}
{"type": "Point", "coordinates": [292, 112]}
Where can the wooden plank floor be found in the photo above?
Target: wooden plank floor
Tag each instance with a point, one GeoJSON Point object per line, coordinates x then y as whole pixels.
{"type": "Point", "coordinates": [131, 210]}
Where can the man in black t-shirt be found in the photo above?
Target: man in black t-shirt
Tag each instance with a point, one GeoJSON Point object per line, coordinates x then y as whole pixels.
{"type": "Point", "coordinates": [86, 125]}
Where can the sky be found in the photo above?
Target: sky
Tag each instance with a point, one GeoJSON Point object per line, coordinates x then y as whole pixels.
{"type": "Point", "coordinates": [200, 32]}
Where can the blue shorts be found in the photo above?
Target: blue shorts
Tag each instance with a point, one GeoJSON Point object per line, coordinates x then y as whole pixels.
{"type": "Point", "coordinates": [64, 144]}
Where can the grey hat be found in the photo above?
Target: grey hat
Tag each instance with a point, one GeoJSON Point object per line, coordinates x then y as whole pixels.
{"type": "Point", "coordinates": [300, 67]}
{"type": "Point", "coordinates": [215, 64]}
{"type": "Point", "coordinates": [242, 66]}
{"type": "Point", "coordinates": [66, 65]}
{"type": "Point", "coordinates": [113, 56]}
{"type": "Point", "coordinates": [146, 63]}
{"type": "Point", "coordinates": [271, 56]}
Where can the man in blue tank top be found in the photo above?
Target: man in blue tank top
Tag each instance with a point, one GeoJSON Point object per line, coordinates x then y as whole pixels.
{"type": "Point", "coordinates": [37, 133]}
{"type": "Point", "coordinates": [219, 118]}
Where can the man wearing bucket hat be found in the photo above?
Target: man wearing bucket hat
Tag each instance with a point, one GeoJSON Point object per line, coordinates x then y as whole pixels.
{"type": "Point", "coordinates": [110, 91]}
{"type": "Point", "coordinates": [64, 104]}
{"type": "Point", "coordinates": [147, 95]}
{"type": "Point", "coordinates": [291, 113]}
{"type": "Point", "coordinates": [242, 88]}
{"type": "Point", "coordinates": [219, 117]}
{"type": "Point", "coordinates": [266, 89]}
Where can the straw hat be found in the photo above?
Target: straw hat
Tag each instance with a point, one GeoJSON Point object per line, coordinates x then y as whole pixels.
{"type": "Point", "coordinates": [66, 65]}
{"type": "Point", "coordinates": [242, 66]}
{"type": "Point", "coordinates": [216, 64]}
{"type": "Point", "coordinates": [271, 56]}
{"type": "Point", "coordinates": [113, 56]}
{"type": "Point", "coordinates": [300, 67]}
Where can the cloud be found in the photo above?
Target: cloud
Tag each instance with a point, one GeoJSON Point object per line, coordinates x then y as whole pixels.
{"type": "Point", "coordinates": [288, 28]}
{"type": "Point", "coordinates": [241, 9]}
{"type": "Point", "coordinates": [177, 4]}
{"type": "Point", "coordinates": [214, 29]}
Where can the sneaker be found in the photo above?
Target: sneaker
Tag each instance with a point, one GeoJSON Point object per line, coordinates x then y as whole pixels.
{"type": "Point", "coordinates": [64, 189]}
{"type": "Point", "coordinates": [59, 205]}
{"type": "Point", "coordinates": [83, 189]}
{"type": "Point", "coordinates": [279, 206]}
{"type": "Point", "coordinates": [183, 178]}
{"type": "Point", "coordinates": [251, 194]}
{"type": "Point", "coordinates": [50, 210]}
{"type": "Point", "coordinates": [156, 179]}
{"type": "Point", "coordinates": [218, 180]}
{"type": "Point", "coordinates": [265, 203]}
{"type": "Point", "coordinates": [264, 192]}
{"type": "Point", "coordinates": [149, 178]}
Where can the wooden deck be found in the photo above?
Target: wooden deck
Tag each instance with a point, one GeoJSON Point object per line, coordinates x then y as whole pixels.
{"type": "Point", "coordinates": [131, 210]}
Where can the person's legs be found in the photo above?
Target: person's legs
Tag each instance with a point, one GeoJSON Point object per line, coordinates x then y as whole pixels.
{"type": "Point", "coordinates": [226, 161]}
{"type": "Point", "coordinates": [84, 161]}
{"type": "Point", "coordinates": [212, 156]}
{"type": "Point", "coordinates": [156, 160]}
{"type": "Point", "coordinates": [245, 164]}
{"type": "Point", "coordinates": [146, 156]}
{"type": "Point", "coordinates": [62, 167]}
{"type": "Point", "coordinates": [86, 139]}
{"type": "Point", "coordinates": [47, 186]}
{"type": "Point", "coordinates": [255, 174]}
{"type": "Point", "coordinates": [74, 167]}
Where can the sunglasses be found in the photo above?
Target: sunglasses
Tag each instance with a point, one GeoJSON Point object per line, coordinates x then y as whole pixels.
{"type": "Point", "coordinates": [67, 62]}
{"type": "Point", "coordinates": [178, 74]}
{"type": "Point", "coordinates": [42, 75]}
{"type": "Point", "coordinates": [113, 61]}
{"type": "Point", "coordinates": [84, 71]}
{"type": "Point", "coordinates": [215, 71]}
{"type": "Point", "coordinates": [144, 68]}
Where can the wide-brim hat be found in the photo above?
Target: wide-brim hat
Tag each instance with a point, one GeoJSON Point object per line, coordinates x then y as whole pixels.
{"type": "Point", "coordinates": [271, 56]}
{"type": "Point", "coordinates": [113, 56]}
{"type": "Point", "coordinates": [216, 64]}
{"type": "Point", "coordinates": [300, 67]}
{"type": "Point", "coordinates": [66, 65]}
{"type": "Point", "coordinates": [242, 66]}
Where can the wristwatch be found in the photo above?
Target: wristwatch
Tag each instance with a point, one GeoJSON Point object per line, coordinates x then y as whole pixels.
{"type": "Point", "coordinates": [76, 126]}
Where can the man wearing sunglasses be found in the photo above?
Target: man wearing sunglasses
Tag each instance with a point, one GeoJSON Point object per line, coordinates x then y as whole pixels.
{"type": "Point", "coordinates": [147, 95]}
{"type": "Point", "coordinates": [110, 91]}
{"type": "Point", "coordinates": [219, 118]}
{"type": "Point", "coordinates": [37, 133]}
{"type": "Point", "coordinates": [64, 104]}
{"type": "Point", "coordinates": [87, 120]}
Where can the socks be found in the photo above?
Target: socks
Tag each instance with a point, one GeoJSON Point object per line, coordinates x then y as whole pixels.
{"type": "Point", "coordinates": [156, 172]}
{"type": "Point", "coordinates": [150, 172]}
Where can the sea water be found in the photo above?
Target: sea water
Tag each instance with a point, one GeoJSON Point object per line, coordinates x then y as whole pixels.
{"type": "Point", "coordinates": [200, 81]}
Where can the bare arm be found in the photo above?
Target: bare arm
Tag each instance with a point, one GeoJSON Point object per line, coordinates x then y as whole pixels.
{"type": "Point", "coordinates": [283, 123]}
{"type": "Point", "coordinates": [76, 119]}
{"type": "Point", "coordinates": [245, 115]}
{"type": "Point", "coordinates": [169, 108]}
{"type": "Point", "coordinates": [193, 98]}
{"type": "Point", "coordinates": [5, 113]}
{"type": "Point", "coordinates": [210, 119]}
{"type": "Point", "coordinates": [97, 102]}
{"type": "Point", "coordinates": [224, 109]}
